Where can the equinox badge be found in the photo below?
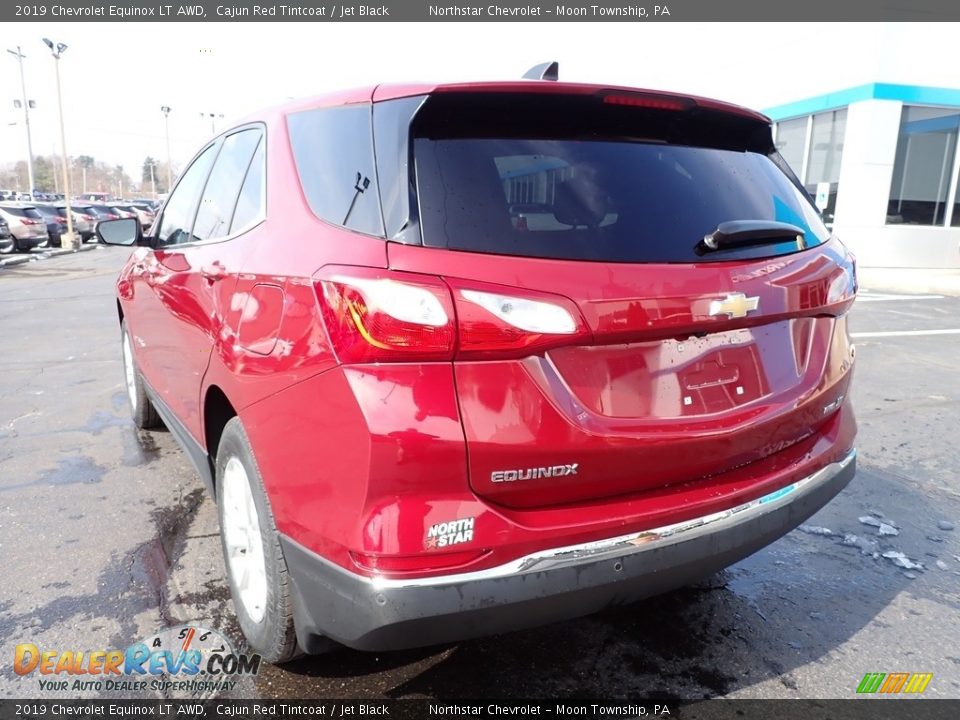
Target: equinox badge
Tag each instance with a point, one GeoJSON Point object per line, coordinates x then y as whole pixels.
{"type": "Point", "coordinates": [735, 305]}
{"type": "Point", "coordinates": [533, 473]}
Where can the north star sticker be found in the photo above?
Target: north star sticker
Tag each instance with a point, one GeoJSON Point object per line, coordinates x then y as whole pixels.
{"type": "Point", "coordinates": [453, 532]}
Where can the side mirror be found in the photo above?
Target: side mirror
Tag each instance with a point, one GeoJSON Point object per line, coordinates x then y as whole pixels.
{"type": "Point", "coordinates": [125, 231]}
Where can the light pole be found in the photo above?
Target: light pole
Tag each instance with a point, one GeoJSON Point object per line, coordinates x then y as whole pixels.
{"type": "Point", "coordinates": [153, 180]}
{"type": "Point", "coordinates": [26, 116]}
{"type": "Point", "coordinates": [165, 109]}
{"type": "Point", "coordinates": [67, 241]}
{"type": "Point", "coordinates": [213, 120]}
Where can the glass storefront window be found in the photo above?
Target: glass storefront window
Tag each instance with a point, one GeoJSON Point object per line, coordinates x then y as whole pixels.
{"type": "Point", "coordinates": [923, 166]}
{"type": "Point", "coordinates": [791, 138]}
{"type": "Point", "coordinates": [826, 150]}
{"type": "Point", "coordinates": [955, 222]}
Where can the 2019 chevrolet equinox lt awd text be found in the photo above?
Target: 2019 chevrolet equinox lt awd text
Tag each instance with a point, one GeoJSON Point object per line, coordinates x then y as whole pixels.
{"type": "Point", "coordinates": [460, 359]}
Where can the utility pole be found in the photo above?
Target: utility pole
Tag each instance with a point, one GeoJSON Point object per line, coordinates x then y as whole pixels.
{"type": "Point", "coordinates": [153, 180]}
{"type": "Point", "coordinates": [26, 116]}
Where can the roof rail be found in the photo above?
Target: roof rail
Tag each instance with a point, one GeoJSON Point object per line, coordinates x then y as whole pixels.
{"type": "Point", "coordinates": [543, 71]}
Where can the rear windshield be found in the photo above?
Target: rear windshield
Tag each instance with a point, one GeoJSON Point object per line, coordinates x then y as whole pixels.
{"type": "Point", "coordinates": [23, 212]}
{"type": "Point", "coordinates": [596, 199]}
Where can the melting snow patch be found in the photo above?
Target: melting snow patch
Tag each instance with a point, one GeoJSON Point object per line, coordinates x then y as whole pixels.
{"type": "Point", "coordinates": [866, 547]}
{"type": "Point", "coordinates": [902, 561]}
{"type": "Point", "coordinates": [816, 530]}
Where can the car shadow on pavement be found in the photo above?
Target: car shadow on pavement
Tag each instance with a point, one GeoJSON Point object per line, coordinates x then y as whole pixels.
{"type": "Point", "coordinates": [791, 604]}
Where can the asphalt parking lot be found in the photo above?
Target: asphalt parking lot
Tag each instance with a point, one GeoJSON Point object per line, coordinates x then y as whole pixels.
{"type": "Point", "coordinates": [106, 536]}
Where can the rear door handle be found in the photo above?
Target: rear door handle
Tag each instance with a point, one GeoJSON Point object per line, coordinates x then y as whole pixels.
{"type": "Point", "coordinates": [213, 272]}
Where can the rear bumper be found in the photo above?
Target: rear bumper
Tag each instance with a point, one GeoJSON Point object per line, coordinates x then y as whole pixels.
{"type": "Point", "coordinates": [28, 243]}
{"type": "Point", "coordinates": [381, 614]}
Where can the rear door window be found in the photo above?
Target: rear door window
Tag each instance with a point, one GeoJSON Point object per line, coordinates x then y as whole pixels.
{"type": "Point", "coordinates": [223, 186]}
{"type": "Point", "coordinates": [251, 202]}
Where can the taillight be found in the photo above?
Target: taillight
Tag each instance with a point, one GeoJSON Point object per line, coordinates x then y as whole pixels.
{"type": "Point", "coordinates": [510, 322]}
{"type": "Point", "coordinates": [87, 218]}
{"type": "Point", "coordinates": [61, 219]}
{"type": "Point", "coordinates": [376, 315]}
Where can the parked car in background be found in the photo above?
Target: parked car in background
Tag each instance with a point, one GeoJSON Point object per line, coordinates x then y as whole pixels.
{"type": "Point", "coordinates": [121, 211]}
{"type": "Point", "coordinates": [102, 212]}
{"type": "Point", "coordinates": [27, 225]}
{"type": "Point", "coordinates": [56, 222]}
{"type": "Point", "coordinates": [84, 221]}
{"type": "Point", "coordinates": [141, 212]}
{"type": "Point", "coordinates": [95, 197]}
{"type": "Point", "coordinates": [6, 239]}
{"type": "Point", "coordinates": [424, 419]}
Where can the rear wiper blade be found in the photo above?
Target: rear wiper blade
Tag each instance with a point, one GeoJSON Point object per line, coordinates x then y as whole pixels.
{"type": "Point", "coordinates": [744, 233]}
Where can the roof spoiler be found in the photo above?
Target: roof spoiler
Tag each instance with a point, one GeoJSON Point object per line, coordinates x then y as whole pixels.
{"type": "Point", "coordinates": [543, 71]}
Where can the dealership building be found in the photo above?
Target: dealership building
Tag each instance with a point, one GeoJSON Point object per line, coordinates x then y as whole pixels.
{"type": "Point", "coordinates": [883, 160]}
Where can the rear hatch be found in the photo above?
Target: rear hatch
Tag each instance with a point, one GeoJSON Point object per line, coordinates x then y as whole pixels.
{"type": "Point", "coordinates": [645, 295]}
{"type": "Point", "coordinates": [33, 224]}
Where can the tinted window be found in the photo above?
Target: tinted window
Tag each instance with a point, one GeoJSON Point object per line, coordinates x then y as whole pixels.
{"type": "Point", "coordinates": [391, 122]}
{"type": "Point", "coordinates": [181, 207]}
{"type": "Point", "coordinates": [250, 204]}
{"type": "Point", "coordinates": [333, 151]}
{"type": "Point", "coordinates": [599, 200]}
{"type": "Point", "coordinates": [23, 212]}
{"type": "Point", "coordinates": [220, 194]}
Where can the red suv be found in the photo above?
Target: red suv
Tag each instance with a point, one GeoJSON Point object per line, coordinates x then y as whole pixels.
{"type": "Point", "coordinates": [460, 359]}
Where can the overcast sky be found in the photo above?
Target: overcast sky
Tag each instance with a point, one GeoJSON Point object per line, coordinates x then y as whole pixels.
{"type": "Point", "coordinates": [116, 76]}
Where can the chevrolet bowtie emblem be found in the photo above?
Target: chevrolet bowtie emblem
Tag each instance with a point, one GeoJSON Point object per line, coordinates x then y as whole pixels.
{"type": "Point", "coordinates": [736, 305]}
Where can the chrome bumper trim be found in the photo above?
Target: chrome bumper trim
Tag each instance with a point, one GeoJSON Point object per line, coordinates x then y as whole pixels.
{"type": "Point", "coordinates": [633, 543]}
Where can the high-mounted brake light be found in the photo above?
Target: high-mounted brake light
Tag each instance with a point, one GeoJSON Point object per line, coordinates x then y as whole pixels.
{"type": "Point", "coordinates": [654, 102]}
{"type": "Point", "coordinates": [376, 315]}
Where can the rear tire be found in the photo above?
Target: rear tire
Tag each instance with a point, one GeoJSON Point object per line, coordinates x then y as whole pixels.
{"type": "Point", "coordinates": [256, 569]}
{"type": "Point", "coordinates": [142, 410]}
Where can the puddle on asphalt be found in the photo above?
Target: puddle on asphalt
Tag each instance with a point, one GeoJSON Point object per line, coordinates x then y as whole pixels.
{"type": "Point", "coordinates": [71, 471]}
{"type": "Point", "coordinates": [101, 420]}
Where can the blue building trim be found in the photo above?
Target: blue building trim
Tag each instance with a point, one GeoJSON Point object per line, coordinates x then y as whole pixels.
{"type": "Point", "coordinates": [912, 94]}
